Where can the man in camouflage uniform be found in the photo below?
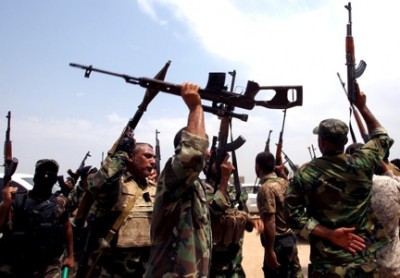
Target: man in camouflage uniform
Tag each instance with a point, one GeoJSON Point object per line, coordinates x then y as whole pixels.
{"type": "Point", "coordinates": [279, 242]}
{"type": "Point", "coordinates": [180, 227]}
{"type": "Point", "coordinates": [121, 182]}
{"type": "Point", "coordinates": [228, 226]}
{"type": "Point", "coordinates": [40, 230]}
{"type": "Point", "coordinates": [329, 200]}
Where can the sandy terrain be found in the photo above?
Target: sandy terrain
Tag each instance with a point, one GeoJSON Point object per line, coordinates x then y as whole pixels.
{"type": "Point", "coordinates": [253, 255]}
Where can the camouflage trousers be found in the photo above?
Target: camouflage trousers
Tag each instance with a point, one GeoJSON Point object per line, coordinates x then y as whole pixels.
{"type": "Point", "coordinates": [367, 268]}
{"type": "Point", "coordinates": [287, 254]}
{"type": "Point", "coordinates": [226, 261]}
{"type": "Point", "coordinates": [120, 262]}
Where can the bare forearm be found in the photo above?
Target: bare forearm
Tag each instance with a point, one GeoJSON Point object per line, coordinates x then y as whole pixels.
{"type": "Point", "coordinates": [369, 119]}
{"type": "Point", "coordinates": [195, 123]}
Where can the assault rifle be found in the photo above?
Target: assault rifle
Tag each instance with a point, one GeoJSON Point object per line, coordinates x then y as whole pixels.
{"type": "Point", "coordinates": [266, 149]}
{"type": "Point", "coordinates": [217, 95]}
{"type": "Point", "coordinates": [158, 154]}
{"type": "Point", "coordinates": [290, 162]}
{"type": "Point", "coordinates": [278, 156]}
{"type": "Point", "coordinates": [353, 71]}
{"type": "Point", "coordinates": [75, 175]}
{"type": "Point", "coordinates": [10, 163]}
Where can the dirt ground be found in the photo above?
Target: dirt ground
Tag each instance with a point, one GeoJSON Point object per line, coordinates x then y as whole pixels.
{"type": "Point", "coordinates": [253, 255]}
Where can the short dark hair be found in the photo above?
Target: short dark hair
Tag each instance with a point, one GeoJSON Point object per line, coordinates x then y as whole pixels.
{"type": "Point", "coordinates": [266, 161]}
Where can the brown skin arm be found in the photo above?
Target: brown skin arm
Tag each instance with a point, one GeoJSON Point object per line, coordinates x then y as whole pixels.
{"type": "Point", "coordinates": [269, 236]}
{"type": "Point", "coordinates": [361, 104]}
{"type": "Point", "coordinates": [342, 237]}
{"type": "Point", "coordinates": [226, 171]}
{"type": "Point", "coordinates": [70, 260]}
{"type": "Point", "coordinates": [191, 96]}
{"type": "Point", "coordinates": [8, 193]}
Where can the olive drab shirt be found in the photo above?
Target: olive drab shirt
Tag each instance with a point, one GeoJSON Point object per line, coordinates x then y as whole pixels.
{"type": "Point", "coordinates": [271, 200]}
{"type": "Point", "coordinates": [335, 191]}
{"type": "Point", "coordinates": [181, 229]}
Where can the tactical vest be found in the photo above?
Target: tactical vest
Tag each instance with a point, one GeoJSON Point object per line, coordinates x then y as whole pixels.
{"type": "Point", "coordinates": [135, 232]}
{"type": "Point", "coordinates": [38, 230]}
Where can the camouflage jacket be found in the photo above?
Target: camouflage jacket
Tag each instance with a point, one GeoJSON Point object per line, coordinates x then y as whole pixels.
{"type": "Point", "coordinates": [181, 229]}
{"type": "Point", "coordinates": [335, 191]}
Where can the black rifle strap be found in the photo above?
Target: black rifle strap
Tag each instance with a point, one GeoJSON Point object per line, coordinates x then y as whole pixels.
{"type": "Point", "coordinates": [353, 137]}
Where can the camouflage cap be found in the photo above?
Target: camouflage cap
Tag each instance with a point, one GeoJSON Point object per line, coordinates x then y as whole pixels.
{"type": "Point", "coordinates": [46, 164]}
{"type": "Point", "coordinates": [332, 130]}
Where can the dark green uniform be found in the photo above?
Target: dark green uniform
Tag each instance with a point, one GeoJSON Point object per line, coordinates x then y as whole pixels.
{"type": "Point", "coordinates": [335, 191]}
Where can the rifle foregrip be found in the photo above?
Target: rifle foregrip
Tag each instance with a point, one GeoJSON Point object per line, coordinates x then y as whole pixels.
{"type": "Point", "coordinates": [350, 47]}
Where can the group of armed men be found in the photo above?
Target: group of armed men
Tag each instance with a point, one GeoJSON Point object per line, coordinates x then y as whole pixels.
{"type": "Point", "coordinates": [120, 221]}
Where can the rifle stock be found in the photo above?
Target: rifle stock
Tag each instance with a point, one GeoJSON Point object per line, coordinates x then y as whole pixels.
{"type": "Point", "coordinates": [219, 95]}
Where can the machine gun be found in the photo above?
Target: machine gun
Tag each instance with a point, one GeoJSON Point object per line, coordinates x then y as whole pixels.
{"type": "Point", "coordinates": [10, 163]}
{"type": "Point", "coordinates": [214, 94]}
{"type": "Point", "coordinates": [220, 146]}
{"type": "Point", "coordinates": [353, 71]}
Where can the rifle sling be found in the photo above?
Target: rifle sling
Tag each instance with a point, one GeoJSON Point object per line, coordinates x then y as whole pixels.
{"type": "Point", "coordinates": [122, 217]}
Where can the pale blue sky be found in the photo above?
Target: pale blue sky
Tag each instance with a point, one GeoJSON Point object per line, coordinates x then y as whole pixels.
{"type": "Point", "coordinates": [57, 113]}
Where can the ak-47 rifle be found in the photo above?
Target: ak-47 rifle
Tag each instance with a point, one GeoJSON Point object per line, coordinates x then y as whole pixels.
{"type": "Point", "coordinates": [150, 94]}
{"type": "Point", "coordinates": [158, 154]}
{"type": "Point", "coordinates": [266, 149]}
{"type": "Point", "coordinates": [75, 175]}
{"type": "Point", "coordinates": [353, 71]}
{"type": "Point", "coordinates": [215, 94]}
{"type": "Point", "coordinates": [10, 162]}
{"type": "Point", "coordinates": [278, 156]}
